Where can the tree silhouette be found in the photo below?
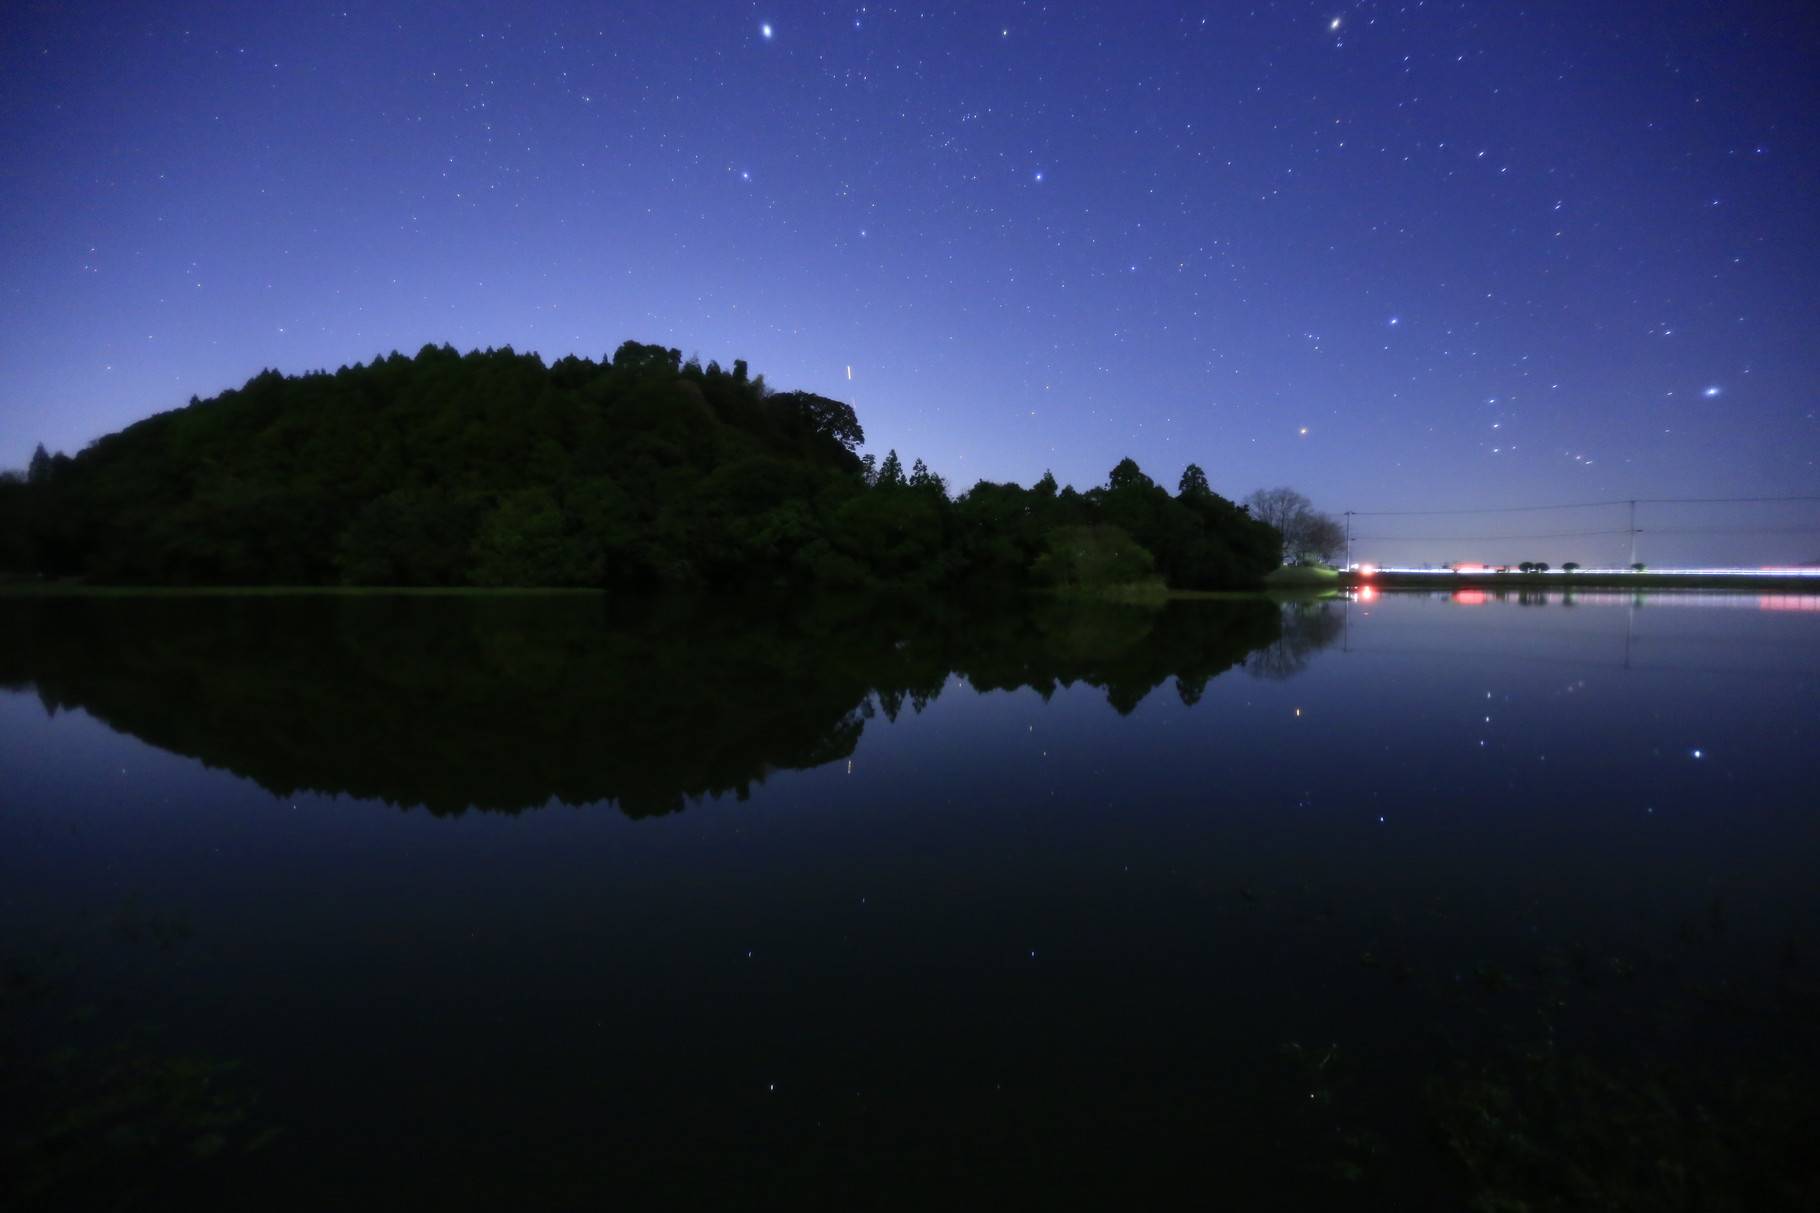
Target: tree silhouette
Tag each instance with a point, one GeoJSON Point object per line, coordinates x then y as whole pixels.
{"type": "Point", "coordinates": [490, 468]}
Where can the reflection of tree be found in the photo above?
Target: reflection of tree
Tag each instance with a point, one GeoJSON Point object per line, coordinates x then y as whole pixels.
{"type": "Point", "coordinates": [1307, 628]}
{"type": "Point", "coordinates": [507, 702]}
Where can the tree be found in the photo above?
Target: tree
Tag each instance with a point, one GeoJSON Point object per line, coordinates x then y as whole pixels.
{"type": "Point", "coordinates": [1127, 475]}
{"type": "Point", "coordinates": [922, 478]}
{"type": "Point", "coordinates": [1194, 482]}
{"type": "Point", "coordinates": [1322, 539]}
{"type": "Point", "coordinates": [522, 543]}
{"type": "Point", "coordinates": [1308, 535]}
{"type": "Point", "coordinates": [640, 358]}
{"type": "Point", "coordinates": [1570, 567]}
{"type": "Point", "coordinates": [829, 418]}
{"type": "Point", "coordinates": [890, 472]}
{"type": "Point", "coordinates": [1092, 557]}
{"type": "Point", "coordinates": [1278, 507]}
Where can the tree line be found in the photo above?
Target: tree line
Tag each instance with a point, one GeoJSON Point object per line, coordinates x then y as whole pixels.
{"type": "Point", "coordinates": [643, 470]}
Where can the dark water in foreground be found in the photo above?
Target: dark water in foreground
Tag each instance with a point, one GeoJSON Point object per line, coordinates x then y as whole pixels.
{"type": "Point", "coordinates": [519, 902]}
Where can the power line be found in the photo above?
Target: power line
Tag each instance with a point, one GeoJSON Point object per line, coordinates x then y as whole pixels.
{"type": "Point", "coordinates": [1729, 530]}
{"type": "Point", "coordinates": [1507, 509]}
{"type": "Point", "coordinates": [1537, 535]}
{"type": "Point", "coordinates": [1584, 505]}
{"type": "Point", "coordinates": [1653, 530]}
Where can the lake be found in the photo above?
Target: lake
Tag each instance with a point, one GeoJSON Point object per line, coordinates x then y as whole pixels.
{"type": "Point", "coordinates": [527, 901]}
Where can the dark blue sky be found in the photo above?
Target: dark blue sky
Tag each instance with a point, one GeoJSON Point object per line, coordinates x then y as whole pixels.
{"type": "Point", "coordinates": [1399, 256]}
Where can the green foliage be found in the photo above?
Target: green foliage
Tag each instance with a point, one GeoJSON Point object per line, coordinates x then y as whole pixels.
{"type": "Point", "coordinates": [1093, 558]}
{"type": "Point", "coordinates": [490, 468]}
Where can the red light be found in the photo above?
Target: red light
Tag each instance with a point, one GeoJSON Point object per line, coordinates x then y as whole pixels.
{"type": "Point", "coordinates": [1366, 570]}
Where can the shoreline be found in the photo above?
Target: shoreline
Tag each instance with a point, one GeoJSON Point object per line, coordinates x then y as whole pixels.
{"type": "Point", "coordinates": [1695, 579]}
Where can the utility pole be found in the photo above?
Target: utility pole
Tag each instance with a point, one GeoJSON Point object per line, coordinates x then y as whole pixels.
{"type": "Point", "coordinates": [1633, 534]}
{"type": "Point", "coordinates": [1349, 540]}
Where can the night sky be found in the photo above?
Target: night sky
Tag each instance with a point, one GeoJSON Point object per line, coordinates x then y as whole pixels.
{"type": "Point", "coordinates": [1402, 257]}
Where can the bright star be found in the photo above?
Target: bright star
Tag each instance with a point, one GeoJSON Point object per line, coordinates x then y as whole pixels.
{"type": "Point", "coordinates": [1711, 391]}
{"type": "Point", "coordinates": [1336, 24]}
{"type": "Point", "coordinates": [765, 30]}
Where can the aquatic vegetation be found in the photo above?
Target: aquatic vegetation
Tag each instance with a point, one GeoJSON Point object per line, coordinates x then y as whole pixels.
{"type": "Point", "coordinates": [1545, 1130]}
{"type": "Point", "coordinates": [102, 1109]}
{"type": "Point", "coordinates": [1590, 1077]}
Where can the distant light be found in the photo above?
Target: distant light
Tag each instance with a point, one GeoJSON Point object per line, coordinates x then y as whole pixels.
{"type": "Point", "coordinates": [1366, 570]}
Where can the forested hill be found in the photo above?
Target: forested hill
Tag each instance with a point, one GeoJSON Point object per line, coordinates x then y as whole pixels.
{"type": "Point", "coordinates": [491, 468]}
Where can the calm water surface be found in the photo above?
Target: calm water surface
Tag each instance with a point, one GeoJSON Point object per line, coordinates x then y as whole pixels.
{"type": "Point", "coordinates": [542, 903]}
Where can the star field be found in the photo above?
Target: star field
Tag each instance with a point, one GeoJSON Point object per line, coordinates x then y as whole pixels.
{"type": "Point", "coordinates": [1399, 256]}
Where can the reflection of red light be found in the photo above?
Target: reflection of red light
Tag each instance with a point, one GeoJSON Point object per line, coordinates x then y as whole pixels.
{"type": "Point", "coordinates": [1788, 602]}
{"type": "Point", "coordinates": [1469, 597]}
{"type": "Point", "coordinates": [1368, 593]}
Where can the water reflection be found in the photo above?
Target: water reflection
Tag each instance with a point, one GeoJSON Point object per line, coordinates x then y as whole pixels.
{"type": "Point", "coordinates": [1308, 627]}
{"type": "Point", "coordinates": [1478, 595]}
{"type": "Point", "coordinates": [510, 702]}
{"type": "Point", "coordinates": [1477, 913]}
